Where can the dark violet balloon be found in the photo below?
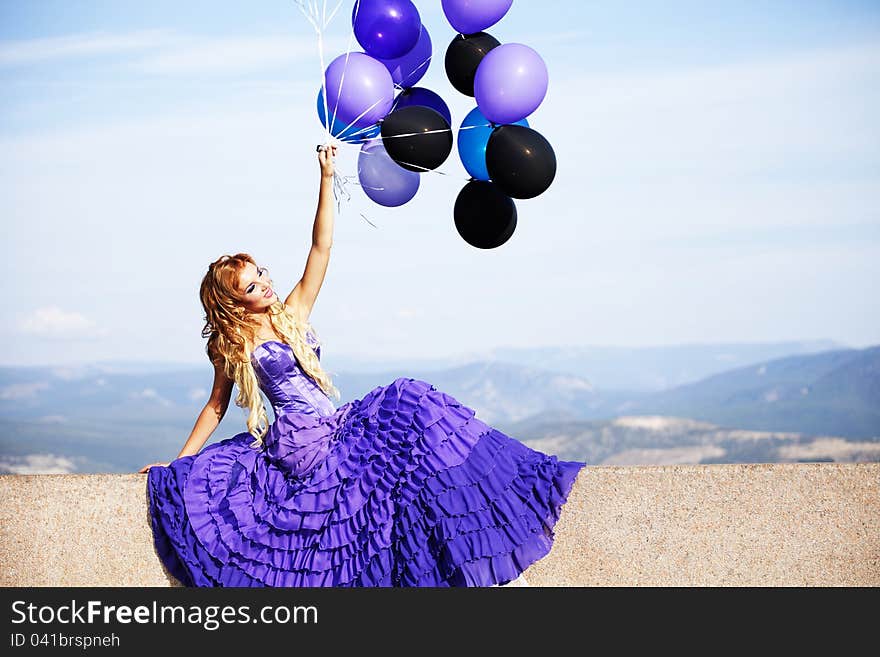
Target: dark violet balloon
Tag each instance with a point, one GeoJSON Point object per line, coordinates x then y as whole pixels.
{"type": "Point", "coordinates": [386, 29]}
{"type": "Point", "coordinates": [510, 83]}
{"type": "Point", "coordinates": [351, 134]}
{"type": "Point", "coordinates": [485, 217]}
{"type": "Point", "coordinates": [469, 16]}
{"type": "Point", "coordinates": [382, 179]}
{"type": "Point", "coordinates": [520, 161]}
{"type": "Point", "coordinates": [463, 57]}
{"type": "Point", "coordinates": [417, 137]}
{"type": "Point", "coordinates": [406, 71]}
{"type": "Point", "coordinates": [425, 98]}
{"type": "Point", "coordinates": [358, 86]}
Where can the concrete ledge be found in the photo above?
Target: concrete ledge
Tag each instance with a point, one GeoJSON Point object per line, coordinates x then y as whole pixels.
{"type": "Point", "coordinates": [761, 524]}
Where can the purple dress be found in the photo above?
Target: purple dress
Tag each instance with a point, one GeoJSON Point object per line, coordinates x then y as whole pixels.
{"type": "Point", "coordinates": [403, 487]}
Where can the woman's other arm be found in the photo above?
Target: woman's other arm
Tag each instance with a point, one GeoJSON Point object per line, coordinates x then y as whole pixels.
{"type": "Point", "coordinates": [211, 414]}
{"type": "Point", "coordinates": [209, 418]}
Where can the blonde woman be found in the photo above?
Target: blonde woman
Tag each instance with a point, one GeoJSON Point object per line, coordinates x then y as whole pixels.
{"type": "Point", "coordinates": [403, 487]}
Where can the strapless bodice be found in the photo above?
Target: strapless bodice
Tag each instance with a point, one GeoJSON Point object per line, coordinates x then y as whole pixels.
{"type": "Point", "coordinates": [287, 386]}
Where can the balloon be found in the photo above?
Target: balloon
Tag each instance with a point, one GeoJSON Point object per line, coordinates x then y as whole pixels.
{"type": "Point", "coordinates": [485, 217]}
{"type": "Point", "coordinates": [473, 135]}
{"type": "Point", "coordinates": [382, 179]}
{"type": "Point", "coordinates": [339, 130]}
{"type": "Point", "coordinates": [520, 161]}
{"type": "Point", "coordinates": [510, 83]}
{"type": "Point", "coordinates": [417, 152]}
{"type": "Point", "coordinates": [469, 16]}
{"type": "Point", "coordinates": [463, 57]}
{"type": "Point", "coordinates": [424, 97]}
{"type": "Point", "coordinates": [386, 28]}
{"type": "Point", "coordinates": [407, 70]}
{"type": "Point", "coordinates": [361, 89]}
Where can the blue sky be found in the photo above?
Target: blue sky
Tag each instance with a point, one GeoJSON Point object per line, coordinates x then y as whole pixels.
{"type": "Point", "coordinates": [719, 179]}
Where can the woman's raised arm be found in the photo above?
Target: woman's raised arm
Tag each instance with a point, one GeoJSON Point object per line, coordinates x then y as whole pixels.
{"type": "Point", "coordinates": [305, 292]}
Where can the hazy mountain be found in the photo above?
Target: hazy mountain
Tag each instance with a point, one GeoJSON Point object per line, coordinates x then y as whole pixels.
{"type": "Point", "coordinates": [606, 367]}
{"type": "Point", "coordinates": [111, 418]}
{"type": "Point", "coordinates": [835, 393]}
{"type": "Point", "coordinates": [654, 440]}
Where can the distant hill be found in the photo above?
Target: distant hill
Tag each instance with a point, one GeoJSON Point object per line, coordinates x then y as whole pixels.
{"type": "Point", "coordinates": [832, 393]}
{"type": "Point", "coordinates": [107, 417]}
{"type": "Point", "coordinates": [496, 391]}
{"type": "Point", "coordinates": [658, 440]}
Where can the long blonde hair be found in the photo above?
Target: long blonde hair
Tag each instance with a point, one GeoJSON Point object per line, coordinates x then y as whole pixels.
{"type": "Point", "coordinates": [229, 327]}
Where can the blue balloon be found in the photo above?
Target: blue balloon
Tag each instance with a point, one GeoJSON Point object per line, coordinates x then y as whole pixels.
{"type": "Point", "coordinates": [352, 134]}
{"type": "Point", "coordinates": [473, 135]}
{"type": "Point", "coordinates": [424, 97]}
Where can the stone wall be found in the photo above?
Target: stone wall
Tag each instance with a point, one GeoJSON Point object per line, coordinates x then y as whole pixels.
{"type": "Point", "coordinates": [759, 524]}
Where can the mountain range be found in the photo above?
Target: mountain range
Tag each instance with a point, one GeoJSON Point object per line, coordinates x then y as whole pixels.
{"type": "Point", "coordinates": [813, 404]}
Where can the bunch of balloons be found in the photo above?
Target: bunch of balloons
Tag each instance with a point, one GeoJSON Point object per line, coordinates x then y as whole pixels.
{"type": "Point", "coordinates": [409, 133]}
{"type": "Point", "coordinates": [505, 157]}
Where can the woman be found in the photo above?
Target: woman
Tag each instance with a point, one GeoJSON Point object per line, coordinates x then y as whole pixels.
{"type": "Point", "coordinates": [404, 487]}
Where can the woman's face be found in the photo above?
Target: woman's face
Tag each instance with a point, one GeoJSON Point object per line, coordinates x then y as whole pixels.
{"type": "Point", "coordinates": [255, 291]}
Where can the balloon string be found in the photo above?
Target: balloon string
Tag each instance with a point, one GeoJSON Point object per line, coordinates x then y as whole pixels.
{"type": "Point", "coordinates": [417, 166]}
{"type": "Point", "coordinates": [424, 63]}
{"type": "Point", "coordinates": [430, 132]}
{"type": "Point", "coordinates": [333, 13]}
{"type": "Point", "coordinates": [357, 7]}
{"type": "Point", "coordinates": [350, 138]}
{"type": "Point", "coordinates": [340, 182]}
{"type": "Point", "coordinates": [311, 16]}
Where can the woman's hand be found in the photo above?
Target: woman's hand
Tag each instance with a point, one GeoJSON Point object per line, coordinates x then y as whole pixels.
{"type": "Point", "coordinates": [147, 467]}
{"type": "Point", "coordinates": [326, 153]}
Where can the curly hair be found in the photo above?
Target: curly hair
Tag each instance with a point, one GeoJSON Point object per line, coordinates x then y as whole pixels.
{"type": "Point", "coordinates": [229, 329]}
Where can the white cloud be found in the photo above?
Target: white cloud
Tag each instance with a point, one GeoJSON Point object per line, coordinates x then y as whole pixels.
{"type": "Point", "coordinates": [197, 394]}
{"type": "Point", "coordinates": [78, 45]}
{"type": "Point", "coordinates": [52, 419]}
{"type": "Point", "coordinates": [407, 313]}
{"type": "Point", "coordinates": [152, 395]}
{"type": "Point", "coordinates": [52, 321]}
{"type": "Point", "coordinates": [165, 52]}
{"type": "Point", "coordinates": [16, 391]}
{"type": "Point", "coordinates": [225, 56]}
{"type": "Point", "coordinates": [36, 464]}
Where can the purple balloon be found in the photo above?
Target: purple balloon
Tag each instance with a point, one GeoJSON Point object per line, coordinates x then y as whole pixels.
{"type": "Point", "coordinates": [406, 71]}
{"type": "Point", "coordinates": [510, 83]}
{"type": "Point", "coordinates": [384, 180]}
{"type": "Point", "coordinates": [424, 97]}
{"type": "Point", "coordinates": [386, 28]}
{"type": "Point", "coordinates": [471, 16]}
{"type": "Point", "coordinates": [360, 91]}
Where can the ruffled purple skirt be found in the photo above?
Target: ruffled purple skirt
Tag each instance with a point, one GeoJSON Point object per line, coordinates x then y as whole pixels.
{"type": "Point", "coordinates": [404, 487]}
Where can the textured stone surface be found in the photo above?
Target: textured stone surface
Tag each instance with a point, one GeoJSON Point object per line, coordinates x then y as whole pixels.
{"type": "Point", "coordinates": [762, 524]}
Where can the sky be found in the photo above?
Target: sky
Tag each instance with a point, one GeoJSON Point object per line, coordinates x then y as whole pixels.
{"type": "Point", "coordinates": [718, 181]}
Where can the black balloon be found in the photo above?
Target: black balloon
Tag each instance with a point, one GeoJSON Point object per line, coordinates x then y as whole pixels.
{"type": "Point", "coordinates": [464, 55]}
{"type": "Point", "coordinates": [485, 217]}
{"type": "Point", "coordinates": [428, 141]}
{"type": "Point", "coordinates": [520, 161]}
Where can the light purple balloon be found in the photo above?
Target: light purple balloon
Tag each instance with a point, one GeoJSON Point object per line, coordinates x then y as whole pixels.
{"type": "Point", "coordinates": [384, 180]}
{"type": "Point", "coordinates": [406, 71]}
{"type": "Point", "coordinates": [510, 83]}
{"type": "Point", "coordinates": [362, 87]}
{"type": "Point", "coordinates": [472, 16]}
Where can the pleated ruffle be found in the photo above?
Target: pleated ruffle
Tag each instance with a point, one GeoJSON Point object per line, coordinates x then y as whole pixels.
{"type": "Point", "coordinates": [404, 487]}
